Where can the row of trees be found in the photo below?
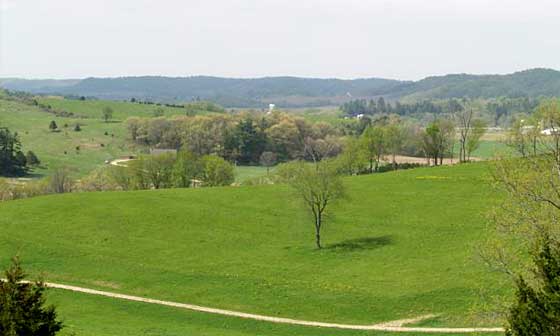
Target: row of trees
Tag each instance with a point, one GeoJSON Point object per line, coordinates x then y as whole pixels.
{"type": "Point", "coordinates": [497, 111]}
{"type": "Point", "coordinates": [183, 170]}
{"type": "Point", "coordinates": [373, 107]}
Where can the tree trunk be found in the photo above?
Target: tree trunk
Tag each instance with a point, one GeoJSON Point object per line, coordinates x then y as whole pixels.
{"type": "Point", "coordinates": [318, 230]}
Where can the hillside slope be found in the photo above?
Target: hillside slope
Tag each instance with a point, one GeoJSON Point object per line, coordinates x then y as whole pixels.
{"type": "Point", "coordinates": [391, 251]}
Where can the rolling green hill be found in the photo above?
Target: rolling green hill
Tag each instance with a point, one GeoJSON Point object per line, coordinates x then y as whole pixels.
{"type": "Point", "coordinates": [401, 245]}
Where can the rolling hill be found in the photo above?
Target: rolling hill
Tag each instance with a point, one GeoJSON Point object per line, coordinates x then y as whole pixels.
{"type": "Point", "coordinates": [296, 92]}
{"type": "Point", "coordinates": [392, 252]}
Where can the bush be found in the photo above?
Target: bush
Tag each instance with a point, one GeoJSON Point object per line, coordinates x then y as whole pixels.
{"type": "Point", "coordinates": [400, 166]}
{"type": "Point", "coordinates": [217, 171]}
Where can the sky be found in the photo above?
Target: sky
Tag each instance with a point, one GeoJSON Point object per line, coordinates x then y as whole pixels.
{"type": "Point", "coordinates": [398, 39]}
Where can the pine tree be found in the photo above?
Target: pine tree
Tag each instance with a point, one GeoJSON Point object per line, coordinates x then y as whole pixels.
{"type": "Point", "coordinates": [32, 159]}
{"type": "Point", "coordinates": [53, 126]}
{"type": "Point", "coordinates": [537, 308]}
{"type": "Point", "coordinates": [22, 310]}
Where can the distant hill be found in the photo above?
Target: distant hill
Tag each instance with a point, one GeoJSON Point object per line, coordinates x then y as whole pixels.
{"type": "Point", "coordinates": [284, 91]}
{"type": "Point", "coordinates": [531, 83]}
{"type": "Point", "coordinates": [294, 91]}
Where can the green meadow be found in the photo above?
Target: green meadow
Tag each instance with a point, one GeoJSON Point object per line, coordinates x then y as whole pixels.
{"type": "Point", "coordinates": [402, 244]}
{"type": "Point", "coordinates": [98, 141]}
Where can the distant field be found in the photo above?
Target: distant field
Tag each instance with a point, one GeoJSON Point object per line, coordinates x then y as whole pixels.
{"type": "Point", "coordinates": [57, 149]}
{"type": "Point", "coordinates": [489, 149]}
{"type": "Point", "coordinates": [244, 173]}
{"type": "Point", "coordinates": [401, 245]}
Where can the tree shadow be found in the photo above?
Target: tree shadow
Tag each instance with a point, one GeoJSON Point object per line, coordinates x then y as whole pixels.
{"type": "Point", "coordinates": [368, 243]}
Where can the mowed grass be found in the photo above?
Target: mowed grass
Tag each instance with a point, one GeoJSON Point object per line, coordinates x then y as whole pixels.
{"type": "Point", "coordinates": [401, 245]}
{"type": "Point", "coordinates": [94, 108]}
{"type": "Point", "coordinates": [87, 315]}
{"type": "Point", "coordinates": [59, 149]}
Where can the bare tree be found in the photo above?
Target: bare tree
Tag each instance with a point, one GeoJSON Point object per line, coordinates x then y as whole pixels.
{"type": "Point", "coordinates": [60, 181]}
{"type": "Point", "coordinates": [268, 159]}
{"type": "Point", "coordinates": [107, 113]}
{"type": "Point", "coordinates": [464, 118]}
{"type": "Point", "coordinates": [317, 187]}
{"type": "Point", "coordinates": [319, 149]}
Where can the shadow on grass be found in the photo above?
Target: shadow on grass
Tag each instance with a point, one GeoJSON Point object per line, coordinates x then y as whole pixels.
{"type": "Point", "coordinates": [368, 243]}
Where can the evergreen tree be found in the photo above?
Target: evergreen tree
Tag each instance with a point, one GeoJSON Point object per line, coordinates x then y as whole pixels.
{"type": "Point", "coordinates": [32, 159]}
{"type": "Point", "coordinates": [53, 126]}
{"type": "Point", "coordinates": [12, 160]}
{"type": "Point", "coordinates": [537, 308]}
{"type": "Point", "coordinates": [22, 310]}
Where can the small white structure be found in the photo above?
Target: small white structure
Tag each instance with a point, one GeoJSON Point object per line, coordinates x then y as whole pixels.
{"type": "Point", "coordinates": [360, 116]}
{"type": "Point", "coordinates": [271, 107]}
{"type": "Point", "coordinates": [549, 131]}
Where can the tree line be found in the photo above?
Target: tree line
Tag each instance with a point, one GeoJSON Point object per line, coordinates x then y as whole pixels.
{"type": "Point", "coordinates": [496, 111]}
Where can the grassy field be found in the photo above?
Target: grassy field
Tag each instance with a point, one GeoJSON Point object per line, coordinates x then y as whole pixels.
{"type": "Point", "coordinates": [245, 173]}
{"type": "Point", "coordinates": [401, 245]}
{"type": "Point", "coordinates": [57, 149]}
{"type": "Point", "coordinates": [86, 315]}
{"type": "Point", "coordinates": [94, 108]}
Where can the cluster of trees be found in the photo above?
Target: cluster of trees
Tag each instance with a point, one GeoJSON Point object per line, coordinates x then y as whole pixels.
{"type": "Point", "coordinates": [168, 170]}
{"type": "Point", "coordinates": [528, 136]}
{"type": "Point", "coordinates": [239, 138]}
{"type": "Point", "coordinates": [525, 243]}
{"type": "Point", "coordinates": [13, 161]}
{"type": "Point", "coordinates": [158, 171]}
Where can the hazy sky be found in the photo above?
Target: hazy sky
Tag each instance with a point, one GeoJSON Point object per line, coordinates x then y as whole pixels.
{"type": "Point", "coordinates": [401, 39]}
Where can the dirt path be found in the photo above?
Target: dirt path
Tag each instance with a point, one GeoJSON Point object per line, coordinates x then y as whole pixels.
{"type": "Point", "coordinates": [412, 159]}
{"type": "Point", "coordinates": [120, 162]}
{"type": "Point", "coordinates": [395, 326]}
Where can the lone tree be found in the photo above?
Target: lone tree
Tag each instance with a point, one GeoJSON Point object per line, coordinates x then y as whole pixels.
{"type": "Point", "coordinates": [22, 306]}
{"type": "Point", "coordinates": [318, 186]}
{"type": "Point", "coordinates": [53, 126]}
{"type": "Point", "coordinates": [77, 128]}
{"type": "Point", "coordinates": [373, 142]}
{"type": "Point", "coordinates": [107, 113]}
{"type": "Point", "coordinates": [268, 159]}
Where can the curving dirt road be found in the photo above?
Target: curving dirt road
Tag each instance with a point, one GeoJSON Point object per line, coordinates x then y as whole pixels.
{"type": "Point", "coordinates": [395, 326]}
